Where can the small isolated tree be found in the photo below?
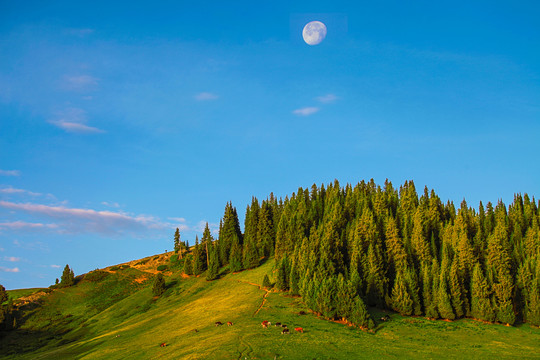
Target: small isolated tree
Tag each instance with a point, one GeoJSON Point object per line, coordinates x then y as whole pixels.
{"type": "Point", "coordinates": [3, 295]}
{"type": "Point", "coordinates": [266, 282]}
{"type": "Point", "coordinates": [159, 285]}
{"type": "Point", "coordinates": [68, 277]}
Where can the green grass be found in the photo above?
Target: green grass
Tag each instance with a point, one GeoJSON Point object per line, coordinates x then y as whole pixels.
{"type": "Point", "coordinates": [19, 293]}
{"type": "Point", "coordinates": [116, 317]}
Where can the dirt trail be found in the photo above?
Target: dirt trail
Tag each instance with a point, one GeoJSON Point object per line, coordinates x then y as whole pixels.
{"type": "Point", "coordinates": [260, 288]}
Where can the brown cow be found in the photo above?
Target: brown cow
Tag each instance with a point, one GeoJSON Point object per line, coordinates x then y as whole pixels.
{"type": "Point", "coordinates": [229, 323]}
{"type": "Point", "coordinates": [219, 323]}
{"type": "Point", "coordinates": [299, 329]}
{"type": "Point", "coordinates": [162, 344]}
{"type": "Point", "coordinates": [265, 323]}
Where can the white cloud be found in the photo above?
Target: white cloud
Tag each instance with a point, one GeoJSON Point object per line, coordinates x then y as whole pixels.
{"type": "Point", "coordinates": [327, 99]}
{"type": "Point", "coordinates": [56, 266]}
{"type": "Point", "coordinates": [10, 173]}
{"type": "Point", "coordinates": [74, 120]}
{"type": "Point", "coordinates": [12, 258]}
{"type": "Point", "coordinates": [75, 220]}
{"type": "Point", "coordinates": [13, 270]}
{"type": "Point", "coordinates": [74, 127]}
{"type": "Point", "coordinates": [11, 190]}
{"type": "Point", "coordinates": [306, 111]}
{"type": "Point", "coordinates": [178, 219]}
{"type": "Point", "coordinates": [110, 204]}
{"type": "Point", "coordinates": [21, 225]}
{"type": "Point", "coordinates": [206, 96]}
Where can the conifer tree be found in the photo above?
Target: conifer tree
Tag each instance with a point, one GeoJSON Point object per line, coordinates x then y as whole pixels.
{"type": "Point", "coordinates": [213, 267]}
{"type": "Point", "coordinates": [177, 241]}
{"type": "Point", "coordinates": [250, 256]}
{"type": "Point", "coordinates": [68, 277]}
{"type": "Point", "coordinates": [533, 305]}
{"type": "Point", "coordinates": [188, 265]}
{"type": "Point", "coordinates": [294, 279]}
{"type": "Point", "coordinates": [198, 258]}
{"type": "Point", "coordinates": [266, 282]}
{"type": "Point", "coordinates": [3, 295]}
{"type": "Point", "coordinates": [235, 259]}
{"type": "Point", "coordinates": [159, 285]}
{"type": "Point", "coordinates": [359, 314]}
{"type": "Point", "coordinates": [430, 305]}
{"type": "Point", "coordinates": [481, 304]}
{"type": "Point", "coordinates": [444, 301]}
{"type": "Point", "coordinates": [401, 299]}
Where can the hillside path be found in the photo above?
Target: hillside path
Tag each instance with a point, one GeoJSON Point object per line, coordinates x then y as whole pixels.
{"type": "Point", "coordinates": [260, 288]}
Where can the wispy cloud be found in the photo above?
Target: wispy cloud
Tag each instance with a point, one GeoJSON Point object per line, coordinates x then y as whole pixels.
{"type": "Point", "coordinates": [21, 225]}
{"type": "Point", "coordinates": [179, 223]}
{"type": "Point", "coordinates": [306, 111]}
{"type": "Point", "coordinates": [79, 83]}
{"type": "Point", "coordinates": [326, 99]}
{"type": "Point", "coordinates": [11, 190]}
{"type": "Point", "coordinates": [110, 204]}
{"type": "Point", "coordinates": [74, 220]}
{"type": "Point", "coordinates": [12, 258]}
{"type": "Point", "coordinates": [10, 173]}
{"type": "Point", "coordinates": [13, 270]}
{"type": "Point", "coordinates": [80, 32]}
{"type": "Point", "coordinates": [204, 96]}
{"type": "Point", "coordinates": [74, 120]}
{"type": "Point", "coordinates": [56, 266]}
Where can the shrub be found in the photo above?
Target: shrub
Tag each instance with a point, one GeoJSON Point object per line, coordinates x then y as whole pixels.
{"type": "Point", "coordinates": [162, 267]}
{"type": "Point", "coordinates": [96, 275]}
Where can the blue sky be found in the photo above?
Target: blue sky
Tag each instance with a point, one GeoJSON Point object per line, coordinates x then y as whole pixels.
{"type": "Point", "coordinates": [120, 122]}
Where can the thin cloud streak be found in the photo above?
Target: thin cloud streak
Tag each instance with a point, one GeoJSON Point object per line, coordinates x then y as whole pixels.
{"type": "Point", "coordinates": [306, 111]}
{"type": "Point", "coordinates": [10, 173]}
{"type": "Point", "coordinates": [12, 258]}
{"type": "Point", "coordinates": [11, 190]}
{"type": "Point", "coordinates": [13, 270]}
{"type": "Point", "coordinates": [22, 225]}
{"type": "Point", "coordinates": [327, 99]}
{"type": "Point", "coordinates": [74, 220]}
{"type": "Point", "coordinates": [204, 96]}
{"type": "Point", "coordinates": [74, 127]}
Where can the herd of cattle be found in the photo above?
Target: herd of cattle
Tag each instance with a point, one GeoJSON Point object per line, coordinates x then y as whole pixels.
{"type": "Point", "coordinates": [265, 324]}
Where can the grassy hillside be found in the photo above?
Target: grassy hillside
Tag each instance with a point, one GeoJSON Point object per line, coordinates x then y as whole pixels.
{"type": "Point", "coordinates": [111, 314]}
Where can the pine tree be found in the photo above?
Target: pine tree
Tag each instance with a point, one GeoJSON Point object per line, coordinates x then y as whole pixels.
{"type": "Point", "coordinates": [188, 265]}
{"type": "Point", "coordinates": [430, 305]}
{"type": "Point", "coordinates": [213, 267]}
{"type": "Point", "coordinates": [444, 301]}
{"type": "Point", "coordinates": [177, 241]}
{"type": "Point", "coordinates": [3, 295]}
{"type": "Point", "coordinates": [159, 285]}
{"type": "Point", "coordinates": [281, 275]}
{"type": "Point", "coordinates": [198, 258]}
{"type": "Point", "coordinates": [266, 282]}
{"type": "Point", "coordinates": [359, 314]}
{"type": "Point", "coordinates": [294, 279]}
{"type": "Point", "coordinates": [68, 277]}
{"type": "Point", "coordinates": [250, 256]}
{"type": "Point", "coordinates": [481, 304]}
{"type": "Point", "coordinates": [456, 290]}
{"type": "Point", "coordinates": [401, 299]}
{"type": "Point", "coordinates": [235, 259]}
{"type": "Point", "coordinates": [533, 306]}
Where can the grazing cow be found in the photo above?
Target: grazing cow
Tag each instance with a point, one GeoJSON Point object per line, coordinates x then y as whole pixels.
{"type": "Point", "coordinates": [278, 324]}
{"type": "Point", "coordinates": [265, 323]}
{"type": "Point", "coordinates": [229, 323]}
{"type": "Point", "coordinates": [285, 331]}
{"type": "Point", "coordinates": [219, 323]}
{"type": "Point", "coordinates": [162, 344]}
{"type": "Point", "coordinates": [299, 329]}
{"type": "Point", "coordinates": [283, 325]}
{"type": "Point", "coordinates": [195, 330]}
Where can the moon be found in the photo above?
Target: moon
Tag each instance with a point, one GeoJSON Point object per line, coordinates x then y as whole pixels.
{"type": "Point", "coordinates": [314, 32]}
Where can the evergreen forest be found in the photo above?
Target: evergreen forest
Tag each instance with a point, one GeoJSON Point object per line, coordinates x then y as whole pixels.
{"type": "Point", "coordinates": [344, 249]}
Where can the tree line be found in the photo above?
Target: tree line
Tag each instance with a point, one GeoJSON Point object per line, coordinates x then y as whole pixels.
{"type": "Point", "coordinates": [345, 248]}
